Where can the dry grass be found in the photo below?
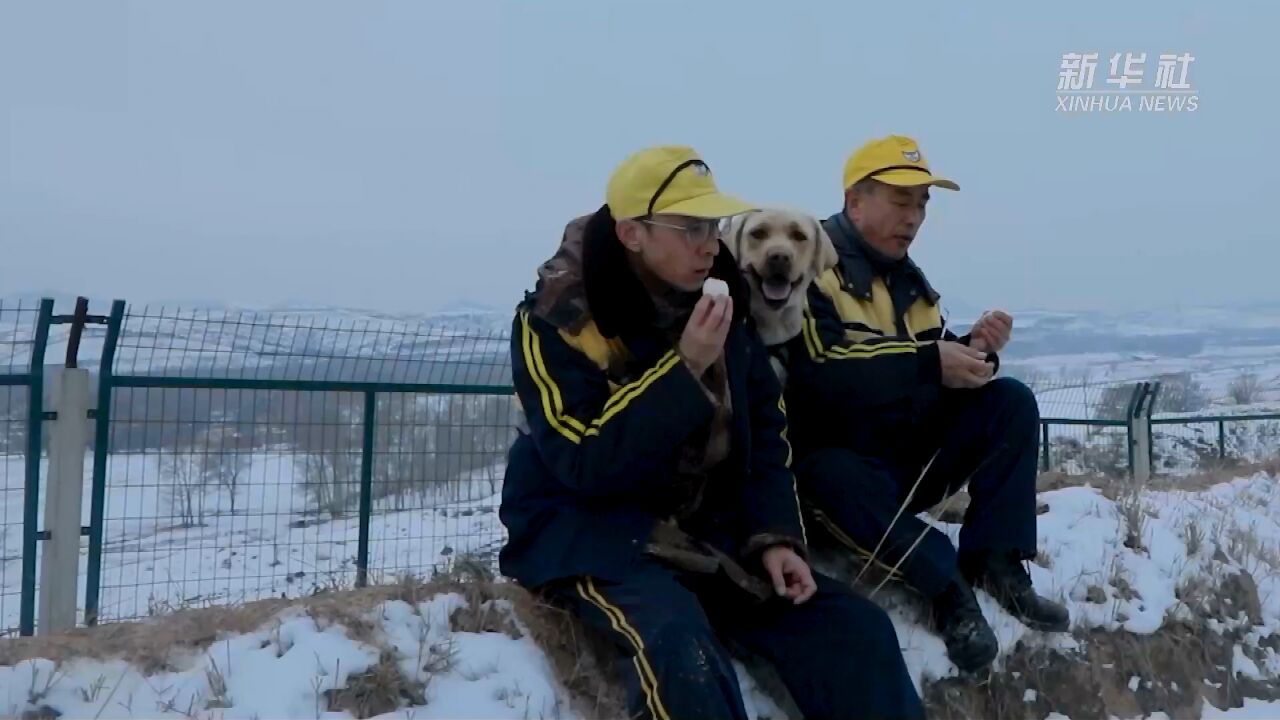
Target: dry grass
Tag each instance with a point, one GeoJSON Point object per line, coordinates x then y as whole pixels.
{"type": "Point", "coordinates": [1134, 511]}
{"type": "Point", "coordinates": [1177, 669]}
{"type": "Point", "coordinates": [1114, 486]}
{"type": "Point", "coordinates": [149, 644]}
{"type": "Point", "coordinates": [1194, 536]}
{"type": "Point", "coordinates": [379, 690]}
{"type": "Point", "coordinates": [145, 644]}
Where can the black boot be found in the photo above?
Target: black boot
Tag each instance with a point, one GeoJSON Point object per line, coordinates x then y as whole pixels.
{"type": "Point", "coordinates": [1003, 575]}
{"type": "Point", "coordinates": [971, 644]}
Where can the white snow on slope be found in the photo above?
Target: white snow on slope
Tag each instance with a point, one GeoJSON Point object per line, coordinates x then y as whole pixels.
{"type": "Point", "coordinates": [1082, 544]}
{"type": "Point", "coordinates": [285, 669]}
{"type": "Point", "coordinates": [277, 672]}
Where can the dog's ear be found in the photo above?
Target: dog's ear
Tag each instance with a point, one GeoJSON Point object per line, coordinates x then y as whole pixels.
{"type": "Point", "coordinates": [732, 234]}
{"type": "Point", "coordinates": [825, 258]}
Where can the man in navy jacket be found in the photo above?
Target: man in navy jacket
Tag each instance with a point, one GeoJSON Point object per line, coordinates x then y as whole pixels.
{"type": "Point", "coordinates": [651, 489]}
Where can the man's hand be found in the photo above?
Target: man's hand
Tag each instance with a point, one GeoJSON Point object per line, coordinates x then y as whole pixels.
{"type": "Point", "coordinates": [790, 575]}
{"type": "Point", "coordinates": [963, 366]}
{"type": "Point", "coordinates": [991, 332]}
{"type": "Point", "coordinates": [705, 333]}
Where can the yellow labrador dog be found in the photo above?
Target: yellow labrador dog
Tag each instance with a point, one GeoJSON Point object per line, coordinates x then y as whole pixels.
{"type": "Point", "coordinates": [780, 252]}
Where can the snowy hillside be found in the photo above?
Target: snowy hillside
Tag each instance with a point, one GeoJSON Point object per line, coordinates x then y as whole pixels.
{"type": "Point", "coordinates": [1214, 347]}
{"type": "Point", "coordinates": [312, 342]}
{"type": "Point", "coordinates": [1149, 570]}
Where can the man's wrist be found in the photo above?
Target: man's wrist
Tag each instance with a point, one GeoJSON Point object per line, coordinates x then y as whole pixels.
{"type": "Point", "coordinates": [757, 546]}
{"type": "Point", "coordinates": [929, 370]}
{"type": "Point", "coordinates": [692, 366]}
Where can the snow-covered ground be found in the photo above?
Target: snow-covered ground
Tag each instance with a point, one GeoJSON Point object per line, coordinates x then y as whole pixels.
{"type": "Point", "coordinates": [285, 669]}
{"type": "Point", "coordinates": [1114, 575]}
{"type": "Point", "coordinates": [1086, 563]}
{"type": "Point", "coordinates": [274, 544]}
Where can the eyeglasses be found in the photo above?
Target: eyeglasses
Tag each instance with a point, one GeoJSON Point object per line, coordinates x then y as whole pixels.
{"type": "Point", "coordinates": [698, 232]}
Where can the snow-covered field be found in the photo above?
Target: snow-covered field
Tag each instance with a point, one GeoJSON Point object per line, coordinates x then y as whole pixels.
{"type": "Point", "coordinates": [274, 544]}
{"type": "Point", "coordinates": [1113, 574]}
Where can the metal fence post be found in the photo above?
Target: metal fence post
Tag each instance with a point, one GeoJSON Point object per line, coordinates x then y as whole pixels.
{"type": "Point", "coordinates": [1140, 430]}
{"type": "Point", "coordinates": [101, 442]}
{"type": "Point", "coordinates": [366, 489]}
{"type": "Point", "coordinates": [1150, 411]}
{"type": "Point", "coordinates": [1139, 389]}
{"type": "Point", "coordinates": [1222, 440]}
{"type": "Point", "coordinates": [1044, 446]}
{"type": "Point", "coordinates": [31, 486]}
{"type": "Point", "coordinates": [68, 442]}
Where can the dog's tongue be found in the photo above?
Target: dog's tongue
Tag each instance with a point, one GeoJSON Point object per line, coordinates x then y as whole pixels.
{"type": "Point", "coordinates": [775, 289]}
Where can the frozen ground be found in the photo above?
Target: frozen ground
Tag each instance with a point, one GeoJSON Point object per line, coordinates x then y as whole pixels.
{"type": "Point", "coordinates": [274, 544]}
{"type": "Point", "coordinates": [1118, 565]}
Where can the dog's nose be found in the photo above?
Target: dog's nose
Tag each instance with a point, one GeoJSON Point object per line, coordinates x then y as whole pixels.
{"type": "Point", "coordinates": [777, 262]}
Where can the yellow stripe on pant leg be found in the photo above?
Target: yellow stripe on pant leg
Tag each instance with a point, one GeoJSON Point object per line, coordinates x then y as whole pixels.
{"type": "Point", "coordinates": [620, 624]}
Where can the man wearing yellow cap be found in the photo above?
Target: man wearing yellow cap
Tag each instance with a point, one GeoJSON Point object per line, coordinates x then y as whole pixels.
{"type": "Point", "coordinates": [892, 413]}
{"type": "Point", "coordinates": [649, 489]}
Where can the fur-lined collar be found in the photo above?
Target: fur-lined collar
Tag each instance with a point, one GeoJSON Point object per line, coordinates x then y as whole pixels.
{"type": "Point", "coordinates": [590, 279]}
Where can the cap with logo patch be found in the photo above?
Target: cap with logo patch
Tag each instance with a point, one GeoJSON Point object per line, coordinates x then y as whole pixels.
{"type": "Point", "coordinates": [895, 160]}
{"type": "Point", "coordinates": [669, 179]}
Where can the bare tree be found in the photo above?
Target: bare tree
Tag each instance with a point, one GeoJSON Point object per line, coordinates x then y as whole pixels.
{"type": "Point", "coordinates": [404, 447]}
{"type": "Point", "coordinates": [330, 439]}
{"type": "Point", "coordinates": [331, 479]}
{"type": "Point", "coordinates": [225, 465]}
{"type": "Point", "coordinates": [186, 470]}
{"type": "Point", "coordinates": [226, 469]}
{"type": "Point", "coordinates": [1114, 402]}
{"type": "Point", "coordinates": [1246, 389]}
{"type": "Point", "coordinates": [1180, 393]}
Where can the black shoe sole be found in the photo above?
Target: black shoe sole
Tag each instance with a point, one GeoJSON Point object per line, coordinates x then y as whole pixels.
{"type": "Point", "coordinates": [1032, 624]}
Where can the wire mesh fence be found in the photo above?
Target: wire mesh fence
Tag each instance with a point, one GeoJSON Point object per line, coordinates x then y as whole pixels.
{"type": "Point", "coordinates": [1085, 448]}
{"type": "Point", "coordinates": [1076, 397]}
{"type": "Point", "coordinates": [321, 346]}
{"type": "Point", "coordinates": [13, 430]}
{"type": "Point", "coordinates": [260, 455]}
{"type": "Point", "coordinates": [1084, 429]}
{"type": "Point", "coordinates": [1181, 445]}
{"type": "Point", "coordinates": [443, 454]}
{"type": "Point", "coordinates": [19, 324]}
{"type": "Point", "coordinates": [242, 455]}
{"type": "Point", "coordinates": [235, 495]}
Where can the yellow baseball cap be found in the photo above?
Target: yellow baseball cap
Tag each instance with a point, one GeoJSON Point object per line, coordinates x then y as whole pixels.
{"type": "Point", "coordinates": [668, 179]}
{"type": "Point", "coordinates": [895, 160]}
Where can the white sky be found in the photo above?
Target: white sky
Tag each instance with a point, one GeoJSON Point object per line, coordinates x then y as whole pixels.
{"type": "Point", "coordinates": [404, 156]}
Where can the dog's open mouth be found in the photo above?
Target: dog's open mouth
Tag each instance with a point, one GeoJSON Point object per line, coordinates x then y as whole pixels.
{"type": "Point", "coordinates": [776, 289]}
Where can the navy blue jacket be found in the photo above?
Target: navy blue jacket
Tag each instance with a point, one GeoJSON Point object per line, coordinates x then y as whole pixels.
{"type": "Point", "coordinates": [608, 402]}
{"type": "Point", "coordinates": [865, 372]}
